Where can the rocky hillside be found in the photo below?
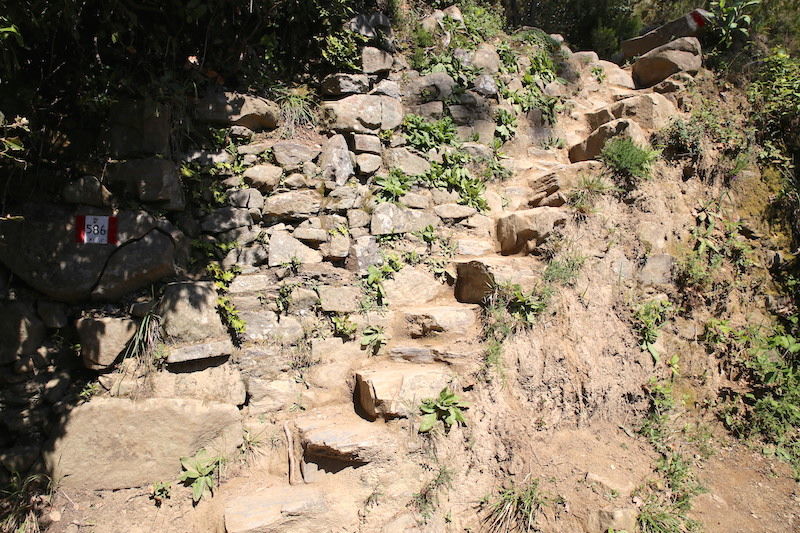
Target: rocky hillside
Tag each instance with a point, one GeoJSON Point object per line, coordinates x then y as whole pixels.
{"type": "Point", "coordinates": [490, 284]}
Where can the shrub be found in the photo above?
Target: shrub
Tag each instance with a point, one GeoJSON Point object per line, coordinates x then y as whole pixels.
{"type": "Point", "coordinates": [588, 191]}
{"type": "Point", "coordinates": [650, 316]}
{"type": "Point", "coordinates": [681, 138]}
{"type": "Point", "coordinates": [199, 472]}
{"type": "Point", "coordinates": [629, 162]}
{"type": "Point", "coordinates": [425, 134]}
{"type": "Point", "coordinates": [394, 185]}
{"type": "Point", "coordinates": [729, 20]}
{"type": "Point", "coordinates": [446, 408]}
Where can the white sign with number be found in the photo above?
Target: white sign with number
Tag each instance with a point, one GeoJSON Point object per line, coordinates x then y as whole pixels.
{"type": "Point", "coordinates": [94, 229]}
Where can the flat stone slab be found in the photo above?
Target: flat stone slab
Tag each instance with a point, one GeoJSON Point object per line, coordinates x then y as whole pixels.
{"type": "Point", "coordinates": [349, 439]}
{"type": "Point", "coordinates": [275, 510]}
{"type": "Point", "coordinates": [395, 390]}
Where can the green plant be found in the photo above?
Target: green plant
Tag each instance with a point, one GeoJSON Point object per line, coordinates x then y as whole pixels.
{"type": "Point", "coordinates": [564, 270]}
{"type": "Point", "coordinates": [230, 316]}
{"type": "Point", "coordinates": [508, 59]}
{"type": "Point", "coordinates": [372, 283]}
{"type": "Point", "coordinates": [22, 500]}
{"type": "Point", "coordinates": [343, 327]}
{"type": "Point", "coordinates": [506, 125]}
{"type": "Point", "coordinates": [392, 186]}
{"type": "Point", "coordinates": [284, 298]}
{"type": "Point", "coordinates": [447, 408]}
{"type": "Point", "coordinates": [144, 342]}
{"type": "Point", "coordinates": [655, 427]}
{"type": "Point", "coordinates": [426, 500]}
{"type": "Point", "coordinates": [298, 109]}
{"type": "Point", "coordinates": [682, 138]}
{"type": "Point", "coordinates": [160, 491]}
{"type": "Point", "coordinates": [650, 316]}
{"type": "Point", "coordinates": [680, 478]}
{"type": "Point", "coordinates": [373, 338]}
{"type": "Point", "coordinates": [199, 473]}
{"type": "Point", "coordinates": [590, 188]}
{"type": "Point", "coordinates": [515, 508]}
{"type": "Point", "coordinates": [629, 162]}
{"type": "Point", "coordinates": [598, 73]}
{"type": "Point", "coordinates": [340, 50]}
{"type": "Point", "coordinates": [729, 20]}
{"type": "Point", "coordinates": [424, 134]}
{"type": "Point", "coordinates": [553, 143]}
{"type": "Point", "coordinates": [452, 174]}
{"type": "Point", "coordinates": [657, 516]}
{"type": "Point", "coordinates": [89, 390]}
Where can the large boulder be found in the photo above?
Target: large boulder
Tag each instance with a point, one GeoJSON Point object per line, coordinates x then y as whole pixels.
{"type": "Point", "coordinates": [293, 204]}
{"type": "Point", "coordinates": [115, 443]}
{"type": "Point", "coordinates": [140, 127]}
{"type": "Point", "coordinates": [21, 331]}
{"type": "Point", "coordinates": [233, 109]}
{"type": "Point", "coordinates": [335, 161]}
{"type": "Point", "coordinates": [593, 145]}
{"type": "Point", "coordinates": [151, 180]}
{"type": "Point", "coordinates": [689, 25]}
{"type": "Point", "coordinates": [389, 218]}
{"type": "Point", "coordinates": [650, 111]}
{"type": "Point", "coordinates": [363, 113]}
{"type": "Point", "coordinates": [41, 249]}
{"type": "Point", "coordinates": [524, 230]}
{"type": "Point", "coordinates": [680, 55]}
{"type": "Point", "coordinates": [103, 339]}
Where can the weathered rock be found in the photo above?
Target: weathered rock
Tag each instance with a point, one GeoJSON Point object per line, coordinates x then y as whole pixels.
{"type": "Point", "coordinates": [486, 59]}
{"type": "Point", "coordinates": [293, 204]}
{"type": "Point", "coordinates": [149, 180]}
{"type": "Point", "coordinates": [87, 190]}
{"type": "Point", "coordinates": [363, 113]}
{"type": "Point", "coordinates": [680, 55]}
{"type": "Point", "coordinates": [651, 111]}
{"type": "Point", "coordinates": [290, 154]}
{"type": "Point", "coordinates": [427, 321]}
{"type": "Point", "coordinates": [454, 211]}
{"type": "Point", "coordinates": [41, 250]}
{"type": "Point", "coordinates": [416, 200]}
{"type": "Point", "coordinates": [387, 88]}
{"type": "Point", "coordinates": [485, 85]}
{"type": "Point", "coordinates": [341, 84]}
{"type": "Point", "coordinates": [103, 339]}
{"type": "Point", "coordinates": [389, 218]}
{"type": "Point", "coordinates": [370, 25]}
{"type": "Point", "coordinates": [136, 264]}
{"type": "Point", "coordinates": [351, 439]}
{"type": "Point", "coordinates": [232, 109]}
{"type": "Point", "coordinates": [474, 247]}
{"type": "Point", "coordinates": [246, 198]}
{"type": "Point", "coordinates": [657, 270]}
{"type": "Point", "coordinates": [225, 219]}
{"type": "Point", "coordinates": [407, 161]}
{"type": "Point", "coordinates": [617, 76]}
{"type": "Point", "coordinates": [689, 25]}
{"type": "Point", "coordinates": [278, 509]}
{"type": "Point", "coordinates": [223, 384]}
{"type": "Point", "coordinates": [395, 390]}
{"type": "Point", "coordinates": [188, 312]}
{"type": "Point", "coordinates": [368, 164]}
{"type": "Point", "coordinates": [263, 177]}
{"type": "Point", "coordinates": [369, 144]}
{"type": "Point", "coordinates": [434, 86]}
{"type": "Point", "coordinates": [114, 443]}
{"type": "Point", "coordinates": [605, 520]}
{"type": "Point", "coordinates": [140, 128]}
{"type": "Point", "coordinates": [339, 299]}
{"type": "Point", "coordinates": [593, 145]}
{"type": "Point", "coordinates": [335, 161]}
{"type": "Point", "coordinates": [283, 248]}
{"type": "Point", "coordinates": [197, 351]}
{"type": "Point", "coordinates": [524, 230]}
{"type": "Point", "coordinates": [336, 249]}
{"type": "Point", "coordinates": [375, 60]}
{"type": "Point", "coordinates": [364, 252]}
{"type": "Point", "coordinates": [476, 279]}
{"type": "Point", "coordinates": [21, 331]}
{"type": "Point", "coordinates": [413, 286]}
{"type": "Point", "coordinates": [53, 314]}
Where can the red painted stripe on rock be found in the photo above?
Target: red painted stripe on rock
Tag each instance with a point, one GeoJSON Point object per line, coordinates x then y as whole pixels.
{"type": "Point", "coordinates": [698, 18]}
{"type": "Point", "coordinates": [80, 228]}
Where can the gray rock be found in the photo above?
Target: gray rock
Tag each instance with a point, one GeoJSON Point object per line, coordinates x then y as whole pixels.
{"type": "Point", "coordinates": [290, 154]}
{"type": "Point", "coordinates": [657, 270]}
{"type": "Point", "coordinates": [593, 145]}
{"type": "Point", "coordinates": [680, 55]}
{"type": "Point", "coordinates": [416, 200]}
{"type": "Point", "coordinates": [263, 177]}
{"type": "Point", "coordinates": [346, 197]}
{"type": "Point", "coordinates": [223, 384]}
{"type": "Point", "coordinates": [375, 60]}
{"type": "Point", "coordinates": [407, 161]}
{"type": "Point", "coordinates": [140, 128]}
{"type": "Point", "coordinates": [87, 190]}
{"type": "Point", "coordinates": [369, 144]}
{"type": "Point", "coordinates": [357, 218]}
{"type": "Point", "coordinates": [276, 509]}
{"type": "Point", "coordinates": [198, 351]}
{"type": "Point", "coordinates": [486, 59]}
{"type": "Point", "coordinates": [434, 86]}
{"type": "Point", "coordinates": [394, 390]}
{"type": "Point", "coordinates": [524, 230]}
{"type": "Point", "coordinates": [337, 248]}
{"type": "Point", "coordinates": [21, 330]}
{"type": "Point", "coordinates": [389, 218]}
{"type": "Point", "coordinates": [368, 164]}
{"type": "Point", "coordinates": [689, 25]}
{"type": "Point", "coordinates": [246, 198]}
{"type": "Point", "coordinates": [226, 218]}
{"type": "Point", "coordinates": [293, 204]}
{"type": "Point", "coordinates": [369, 25]}
{"type": "Point", "coordinates": [340, 299]}
{"type": "Point", "coordinates": [256, 148]}
{"type": "Point", "coordinates": [188, 312]}
{"type": "Point", "coordinates": [454, 211]}
{"type": "Point", "coordinates": [154, 434]}
{"type": "Point", "coordinates": [232, 109]}
{"type": "Point", "coordinates": [53, 314]}
{"type": "Point", "coordinates": [341, 84]}
{"type": "Point", "coordinates": [253, 256]}
{"type": "Point", "coordinates": [313, 235]}
{"type": "Point", "coordinates": [103, 339]}
{"type": "Point", "coordinates": [283, 248]}
{"type": "Point", "coordinates": [335, 162]}
{"type": "Point", "coordinates": [241, 133]}
{"type": "Point", "coordinates": [364, 252]}
{"type": "Point", "coordinates": [149, 180]}
{"type": "Point", "coordinates": [387, 88]}
{"type": "Point", "coordinates": [362, 113]}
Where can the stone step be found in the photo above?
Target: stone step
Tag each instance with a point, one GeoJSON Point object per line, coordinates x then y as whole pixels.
{"type": "Point", "coordinates": [278, 508]}
{"type": "Point", "coordinates": [476, 278]}
{"type": "Point", "coordinates": [393, 390]}
{"type": "Point", "coordinates": [450, 352]}
{"type": "Point", "coordinates": [436, 321]}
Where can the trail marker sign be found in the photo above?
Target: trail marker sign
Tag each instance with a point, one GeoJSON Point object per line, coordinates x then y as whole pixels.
{"type": "Point", "coordinates": [91, 229]}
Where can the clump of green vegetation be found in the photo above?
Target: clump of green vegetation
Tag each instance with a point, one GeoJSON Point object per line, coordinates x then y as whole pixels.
{"type": "Point", "coordinates": [424, 134]}
{"type": "Point", "coordinates": [553, 143]}
{"type": "Point", "coordinates": [373, 338]}
{"type": "Point", "coordinates": [659, 516]}
{"type": "Point", "coordinates": [447, 408]}
{"type": "Point", "coordinates": [650, 317]}
{"type": "Point", "coordinates": [655, 425]}
{"type": "Point", "coordinates": [564, 270]}
{"type": "Point", "coordinates": [629, 162]}
{"type": "Point", "coordinates": [22, 501]}
{"type": "Point", "coordinates": [392, 186]}
{"type": "Point", "coordinates": [427, 499]}
{"type": "Point", "coordinates": [729, 20]}
{"type": "Point", "coordinates": [145, 343]}
{"type": "Point", "coordinates": [298, 109]}
{"type": "Point", "coordinates": [506, 125]}
{"type": "Point", "coordinates": [199, 472]}
{"type": "Point", "coordinates": [515, 508]}
{"type": "Point", "coordinates": [590, 188]}
{"type": "Point", "coordinates": [89, 391]}
{"type": "Point", "coordinates": [598, 73]}
{"type": "Point", "coordinates": [343, 327]}
{"type": "Point", "coordinates": [681, 138]}
{"type": "Point", "coordinates": [161, 491]}
{"type": "Point", "coordinates": [452, 174]}
{"type": "Point", "coordinates": [372, 283]}
{"type": "Point", "coordinates": [342, 50]}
